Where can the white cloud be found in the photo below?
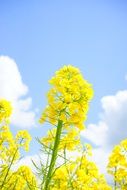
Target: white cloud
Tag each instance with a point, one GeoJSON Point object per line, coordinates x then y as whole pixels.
{"type": "Point", "coordinates": [96, 133]}
{"type": "Point", "coordinates": [13, 89]}
{"type": "Point", "coordinates": [115, 116]}
{"type": "Point", "coordinates": [112, 126]}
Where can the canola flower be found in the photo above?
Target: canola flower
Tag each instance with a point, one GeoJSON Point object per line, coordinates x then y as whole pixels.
{"type": "Point", "coordinates": [117, 165]}
{"type": "Point", "coordinates": [23, 178]}
{"type": "Point", "coordinates": [68, 103]}
{"type": "Point", "coordinates": [5, 110]}
{"type": "Point", "coordinates": [80, 174]}
{"type": "Point", "coordinates": [68, 98]}
{"type": "Point", "coordinates": [69, 140]}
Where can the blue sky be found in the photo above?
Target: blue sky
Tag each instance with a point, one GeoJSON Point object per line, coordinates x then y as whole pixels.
{"type": "Point", "coordinates": [42, 36]}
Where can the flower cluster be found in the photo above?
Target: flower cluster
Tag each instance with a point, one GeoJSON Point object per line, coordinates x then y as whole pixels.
{"type": "Point", "coordinates": [23, 139]}
{"type": "Point", "coordinates": [117, 165]}
{"type": "Point", "coordinates": [80, 174]}
{"type": "Point", "coordinates": [5, 110]}
{"type": "Point", "coordinates": [68, 99]}
{"type": "Point", "coordinates": [69, 141]}
{"type": "Point", "coordinates": [23, 178]}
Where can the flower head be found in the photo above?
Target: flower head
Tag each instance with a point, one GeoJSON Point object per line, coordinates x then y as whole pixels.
{"type": "Point", "coordinates": [68, 98]}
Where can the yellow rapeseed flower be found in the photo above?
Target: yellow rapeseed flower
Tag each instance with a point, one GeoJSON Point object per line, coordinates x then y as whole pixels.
{"type": "Point", "coordinates": [117, 165]}
{"type": "Point", "coordinates": [68, 98]}
{"type": "Point", "coordinates": [5, 109]}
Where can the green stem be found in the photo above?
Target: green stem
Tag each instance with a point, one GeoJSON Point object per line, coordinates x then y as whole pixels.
{"type": "Point", "coordinates": [115, 184]}
{"type": "Point", "coordinates": [54, 155]}
{"type": "Point", "coordinates": [9, 168]}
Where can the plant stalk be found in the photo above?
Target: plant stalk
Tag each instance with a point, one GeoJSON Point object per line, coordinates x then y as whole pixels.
{"type": "Point", "coordinates": [54, 155]}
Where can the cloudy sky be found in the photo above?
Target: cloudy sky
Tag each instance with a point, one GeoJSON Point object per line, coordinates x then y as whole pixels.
{"type": "Point", "coordinates": [38, 37]}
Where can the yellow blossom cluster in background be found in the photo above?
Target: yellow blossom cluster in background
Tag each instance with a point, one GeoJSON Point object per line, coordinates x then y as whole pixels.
{"type": "Point", "coordinates": [22, 178]}
{"type": "Point", "coordinates": [5, 110]}
{"type": "Point", "coordinates": [80, 174]}
{"type": "Point", "coordinates": [117, 165]}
